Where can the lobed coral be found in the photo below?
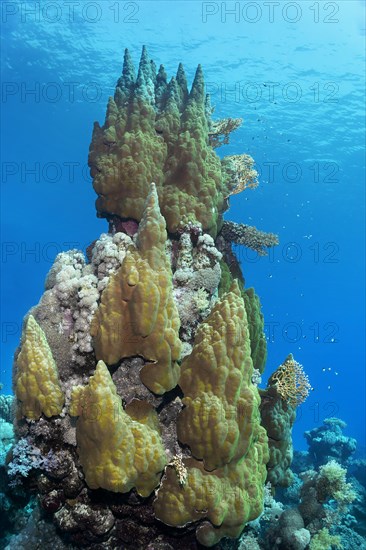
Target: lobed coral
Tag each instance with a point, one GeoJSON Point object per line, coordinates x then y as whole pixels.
{"type": "Point", "coordinates": [278, 416]}
{"type": "Point", "coordinates": [37, 385]}
{"type": "Point", "coordinates": [221, 404]}
{"type": "Point", "coordinates": [116, 451]}
{"type": "Point", "coordinates": [152, 340]}
{"type": "Point", "coordinates": [220, 423]}
{"type": "Point", "coordinates": [137, 314]}
{"type": "Point", "coordinates": [158, 131]}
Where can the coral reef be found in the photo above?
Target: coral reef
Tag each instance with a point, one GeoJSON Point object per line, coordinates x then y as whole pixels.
{"type": "Point", "coordinates": [328, 442]}
{"type": "Point", "coordinates": [220, 423]}
{"type": "Point", "coordinates": [326, 499]}
{"type": "Point", "coordinates": [139, 420]}
{"type": "Point", "coordinates": [159, 131]}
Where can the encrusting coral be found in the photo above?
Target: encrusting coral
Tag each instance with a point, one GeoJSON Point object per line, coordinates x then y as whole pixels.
{"type": "Point", "coordinates": [151, 340]}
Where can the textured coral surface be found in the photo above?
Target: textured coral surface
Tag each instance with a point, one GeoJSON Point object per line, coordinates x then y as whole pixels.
{"type": "Point", "coordinates": [158, 131]}
{"type": "Point", "coordinates": [36, 383]}
{"type": "Point", "coordinates": [138, 410]}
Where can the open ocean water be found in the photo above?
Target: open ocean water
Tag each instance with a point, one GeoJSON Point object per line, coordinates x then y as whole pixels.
{"type": "Point", "coordinates": [294, 71]}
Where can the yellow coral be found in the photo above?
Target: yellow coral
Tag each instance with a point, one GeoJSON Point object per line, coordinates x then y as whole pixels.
{"type": "Point", "coordinates": [137, 314]}
{"type": "Point", "coordinates": [291, 381]}
{"type": "Point", "coordinates": [116, 452]}
{"type": "Point", "coordinates": [228, 497]}
{"type": "Point", "coordinates": [37, 385]}
{"type": "Point", "coordinates": [221, 425]}
{"type": "Point", "coordinates": [221, 402]}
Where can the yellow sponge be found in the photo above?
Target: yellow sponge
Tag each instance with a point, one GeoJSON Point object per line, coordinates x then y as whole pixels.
{"type": "Point", "coordinates": [37, 384]}
{"type": "Point", "coordinates": [116, 452]}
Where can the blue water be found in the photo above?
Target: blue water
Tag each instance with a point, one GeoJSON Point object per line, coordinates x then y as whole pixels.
{"type": "Point", "coordinates": [294, 71]}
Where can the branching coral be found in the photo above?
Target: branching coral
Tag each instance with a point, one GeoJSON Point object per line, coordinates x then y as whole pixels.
{"type": "Point", "coordinates": [220, 130]}
{"type": "Point", "coordinates": [248, 236]}
{"type": "Point", "coordinates": [331, 483]}
{"type": "Point", "coordinates": [240, 173]}
{"type": "Point", "coordinates": [323, 540]}
{"type": "Point", "coordinates": [291, 382]}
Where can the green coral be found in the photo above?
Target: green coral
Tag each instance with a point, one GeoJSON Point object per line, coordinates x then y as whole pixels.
{"type": "Point", "coordinates": [332, 484]}
{"type": "Point", "coordinates": [157, 131]}
{"type": "Point", "coordinates": [323, 540]}
{"type": "Point", "coordinates": [258, 341]}
{"type": "Point", "coordinates": [255, 317]}
{"type": "Point", "coordinates": [287, 387]}
{"type": "Point", "coordinates": [278, 418]}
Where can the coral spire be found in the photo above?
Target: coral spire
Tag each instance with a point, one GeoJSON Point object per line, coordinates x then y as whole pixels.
{"type": "Point", "coordinates": [145, 78]}
{"type": "Point", "coordinates": [173, 98]}
{"type": "Point", "coordinates": [182, 84]}
{"type": "Point", "coordinates": [145, 65]}
{"type": "Point", "coordinates": [198, 86]}
{"type": "Point", "coordinates": [160, 87]}
{"type": "Point", "coordinates": [127, 80]}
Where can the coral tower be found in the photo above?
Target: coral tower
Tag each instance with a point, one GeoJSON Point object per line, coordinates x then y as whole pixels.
{"type": "Point", "coordinates": [143, 403]}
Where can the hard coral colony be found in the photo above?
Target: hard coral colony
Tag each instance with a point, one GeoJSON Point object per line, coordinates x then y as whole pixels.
{"type": "Point", "coordinates": [135, 370]}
